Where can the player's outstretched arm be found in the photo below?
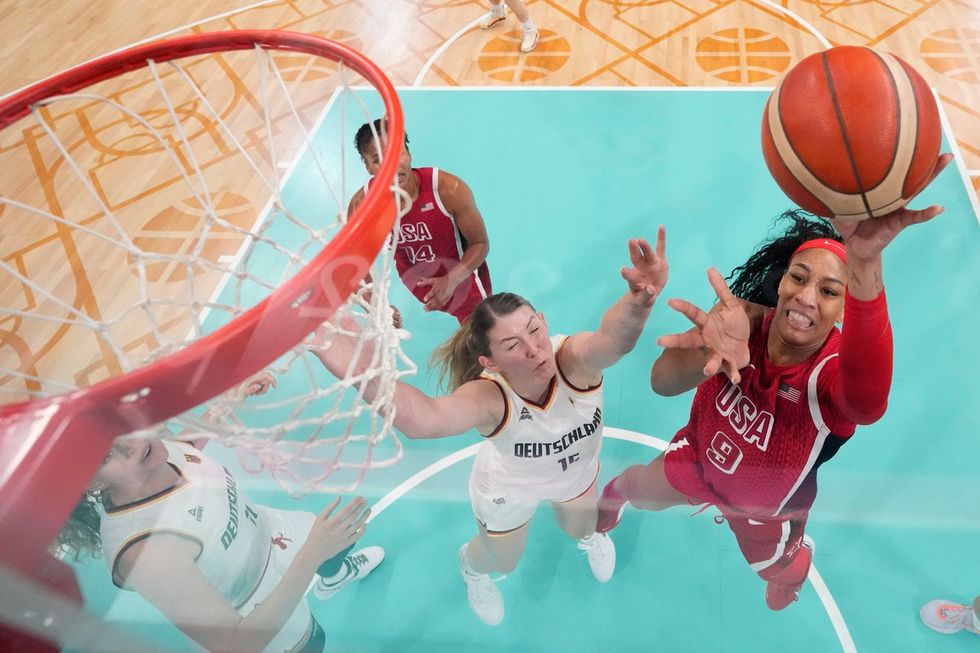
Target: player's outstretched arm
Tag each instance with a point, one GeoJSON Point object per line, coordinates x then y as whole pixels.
{"type": "Point", "coordinates": [474, 405]}
{"type": "Point", "coordinates": [163, 570]}
{"type": "Point", "coordinates": [623, 322]}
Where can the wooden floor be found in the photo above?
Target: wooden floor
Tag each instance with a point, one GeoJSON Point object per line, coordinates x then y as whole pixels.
{"type": "Point", "coordinates": [606, 43]}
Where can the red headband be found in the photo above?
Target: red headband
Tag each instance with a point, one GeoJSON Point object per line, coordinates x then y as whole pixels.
{"type": "Point", "coordinates": [824, 243]}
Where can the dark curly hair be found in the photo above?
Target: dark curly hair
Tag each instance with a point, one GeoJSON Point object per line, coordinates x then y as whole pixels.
{"type": "Point", "coordinates": [80, 534]}
{"type": "Point", "coordinates": [757, 280]}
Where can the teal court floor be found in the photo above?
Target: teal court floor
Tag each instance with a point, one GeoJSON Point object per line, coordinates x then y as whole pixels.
{"type": "Point", "coordinates": [563, 178]}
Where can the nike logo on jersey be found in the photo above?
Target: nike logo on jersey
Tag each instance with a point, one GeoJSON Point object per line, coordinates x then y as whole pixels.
{"type": "Point", "coordinates": [525, 414]}
{"type": "Point", "coordinates": [197, 513]}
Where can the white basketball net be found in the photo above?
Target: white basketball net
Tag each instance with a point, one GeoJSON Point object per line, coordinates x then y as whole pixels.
{"type": "Point", "coordinates": [165, 203]}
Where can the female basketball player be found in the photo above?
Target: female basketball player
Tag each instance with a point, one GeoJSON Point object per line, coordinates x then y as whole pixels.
{"type": "Point", "coordinates": [497, 14]}
{"type": "Point", "coordinates": [230, 573]}
{"type": "Point", "coordinates": [442, 244]}
{"type": "Point", "coordinates": [537, 402]}
{"type": "Point", "coordinates": [792, 388]}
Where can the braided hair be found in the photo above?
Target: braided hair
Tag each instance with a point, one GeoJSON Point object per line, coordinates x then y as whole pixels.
{"type": "Point", "coordinates": [757, 280]}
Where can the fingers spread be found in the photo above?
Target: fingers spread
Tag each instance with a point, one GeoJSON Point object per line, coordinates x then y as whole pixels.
{"type": "Point", "coordinates": [330, 508]}
{"type": "Point", "coordinates": [688, 310]}
{"type": "Point", "coordinates": [687, 340]}
{"type": "Point", "coordinates": [720, 287]}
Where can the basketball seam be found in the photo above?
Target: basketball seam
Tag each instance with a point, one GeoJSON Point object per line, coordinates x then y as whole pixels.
{"type": "Point", "coordinates": [898, 114]}
{"type": "Point", "coordinates": [793, 148]}
{"type": "Point", "coordinates": [843, 130]}
{"type": "Point", "coordinates": [918, 185]}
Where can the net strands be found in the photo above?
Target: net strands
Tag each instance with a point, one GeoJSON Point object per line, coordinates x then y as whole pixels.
{"type": "Point", "coordinates": [244, 233]}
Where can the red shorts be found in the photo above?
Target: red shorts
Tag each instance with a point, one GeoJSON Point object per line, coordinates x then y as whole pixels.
{"type": "Point", "coordinates": [768, 543]}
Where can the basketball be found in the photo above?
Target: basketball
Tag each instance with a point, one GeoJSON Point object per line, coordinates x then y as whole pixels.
{"type": "Point", "coordinates": [851, 133]}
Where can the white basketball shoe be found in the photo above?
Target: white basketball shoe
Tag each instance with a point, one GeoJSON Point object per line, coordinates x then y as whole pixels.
{"type": "Point", "coordinates": [601, 552]}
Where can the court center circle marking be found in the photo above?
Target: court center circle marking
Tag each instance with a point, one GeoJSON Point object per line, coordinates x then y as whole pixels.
{"type": "Point", "coordinates": [419, 477]}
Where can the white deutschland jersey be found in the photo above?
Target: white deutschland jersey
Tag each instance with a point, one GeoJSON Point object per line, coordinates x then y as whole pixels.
{"type": "Point", "coordinates": [244, 547]}
{"type": "Point", "coordinates": [543, 451]}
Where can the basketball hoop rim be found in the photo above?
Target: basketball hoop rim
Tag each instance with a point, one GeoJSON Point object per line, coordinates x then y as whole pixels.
{"type": "Point", "coordinates": [32, 431]}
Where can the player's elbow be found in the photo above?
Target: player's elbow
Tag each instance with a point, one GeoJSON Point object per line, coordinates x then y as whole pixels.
{"type": "Point", "coordinates": [869, 413]}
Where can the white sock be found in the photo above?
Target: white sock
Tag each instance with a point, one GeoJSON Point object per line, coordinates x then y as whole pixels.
{"type": "Point", "coordinates": [529, 25]}
{"type": "Point", "coordinates": [976, 620]}
{"type": "Point", "coordinates": [497, 10]}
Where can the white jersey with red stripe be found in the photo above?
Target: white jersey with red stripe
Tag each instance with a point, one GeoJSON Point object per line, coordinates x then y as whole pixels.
{"type": "Point", "coordinates": [547, 451]}
{"type": "Point", "coordinates": [244, 547]}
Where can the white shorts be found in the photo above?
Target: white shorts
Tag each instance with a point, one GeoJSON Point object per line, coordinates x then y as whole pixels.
{"type": "Point", "coordinates": [500, 510]}
{"type": "Point", "coordinates": [295, 527]}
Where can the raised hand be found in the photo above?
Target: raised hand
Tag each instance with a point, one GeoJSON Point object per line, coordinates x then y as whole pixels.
{"type": "Point", "coordinates": [723, 332]}
{"type": "Point", "coordinates": [332, 533]}
{"type": "Point", "coordinates": [648, 275]}
{"type": "Point", "coordinates": [865, 239]}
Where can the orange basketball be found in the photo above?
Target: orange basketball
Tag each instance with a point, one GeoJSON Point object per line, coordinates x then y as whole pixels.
{"type": "Point", "coordinates": [851, 133]}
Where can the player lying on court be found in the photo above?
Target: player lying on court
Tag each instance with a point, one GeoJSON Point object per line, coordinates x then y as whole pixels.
{"type": "Point", "coordinates": [441, 247]}
{"type": "Point", "coordinates": [779, 390]}
{"type": "Point", "coordinates": [176, 527]}
{"type": "Point", "coordinates": [537, 402]}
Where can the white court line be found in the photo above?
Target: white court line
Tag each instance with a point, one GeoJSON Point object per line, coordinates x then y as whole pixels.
{"type": "Point", "coordinates": [442, 48]}
{"type": "Point", "coordinates": [810, 28]}
{"type": "Point", "coordinates": [830, 606]}
{"type": "Point", "coordinates": [958, 160]}
{"type": "Point", "coordinates": [836, 618]}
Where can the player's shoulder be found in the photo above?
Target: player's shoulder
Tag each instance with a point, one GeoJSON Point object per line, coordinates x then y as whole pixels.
{"type": "Point", "coordinates": [450, 183]}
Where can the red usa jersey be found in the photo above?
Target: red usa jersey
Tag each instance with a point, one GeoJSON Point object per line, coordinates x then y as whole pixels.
{"type": "Point", "coordinates": [757, 445]}
{"type": "Point", "coordinates": [428, 244]}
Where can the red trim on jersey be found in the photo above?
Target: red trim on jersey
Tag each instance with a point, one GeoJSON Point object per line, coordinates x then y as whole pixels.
{"type": "Point", "coordinates": [572, 386]}
{"type": "Point", "coordinates": [118, 580]}
{"type": "Point", "coordinates": [491, 533]}
{"type": "Point", "coordinates": [506, 417]}
{"type": "Point", "coordinates": [162, 494]}
{"type": "Point", "coordinates": [549, 396]}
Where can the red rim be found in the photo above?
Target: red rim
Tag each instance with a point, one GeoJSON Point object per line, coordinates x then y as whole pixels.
{"type": "Point", "coordinates": [52, 447]}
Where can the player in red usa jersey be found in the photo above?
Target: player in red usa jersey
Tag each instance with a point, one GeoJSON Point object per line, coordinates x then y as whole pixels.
{"type": "Point", "coordinates": [779, 390]}
{"type": "Point", "coordinates": [441, 245]}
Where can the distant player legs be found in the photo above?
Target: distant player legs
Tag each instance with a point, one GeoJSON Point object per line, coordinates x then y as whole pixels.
{"type": "Point", "coordinates": [516, 6]}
